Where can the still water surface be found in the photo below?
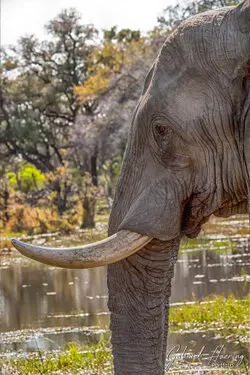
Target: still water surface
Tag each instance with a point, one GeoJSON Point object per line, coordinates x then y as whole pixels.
{"type": "Point", "coordinates": [45, 307]}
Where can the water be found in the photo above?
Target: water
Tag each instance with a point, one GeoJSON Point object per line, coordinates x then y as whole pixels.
{"type": "Point", "coordinates": [46, 307]}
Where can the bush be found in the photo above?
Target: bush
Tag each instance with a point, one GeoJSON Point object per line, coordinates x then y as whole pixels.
{"type": "Point", "coordinates": [27, 178]}
{"type": "Point", "coordinates": [36, 220]}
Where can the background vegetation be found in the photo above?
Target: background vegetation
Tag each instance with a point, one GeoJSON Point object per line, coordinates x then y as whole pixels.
{"type": "Point", "coordinates": [65, 107]}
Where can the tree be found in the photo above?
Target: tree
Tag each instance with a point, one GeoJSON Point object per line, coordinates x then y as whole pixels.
{"type": "Point", "coordinates": [115, 85]}
{"type": "Point", "coordinates": [39, 105]}
{"type": "Point", "coordinates": [37, 100]}
{"type": "Point", "coordinates": [88, 194]}
{"type": "Point", "coordinates": [173, 15]}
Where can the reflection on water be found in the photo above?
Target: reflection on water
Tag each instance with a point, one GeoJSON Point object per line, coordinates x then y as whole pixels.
{"type": "Point", "coordinates": [34, 296]}
{"type": "Point", "coordinates": [208, 272]}
{"type": "Point", "coordinates": [38, 296]}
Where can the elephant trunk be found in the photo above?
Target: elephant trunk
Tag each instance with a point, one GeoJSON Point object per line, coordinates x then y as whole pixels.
{"type": "Point", "coordinates": [139, 292]}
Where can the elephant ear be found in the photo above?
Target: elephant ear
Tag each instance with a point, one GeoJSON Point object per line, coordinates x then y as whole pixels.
{"type": "Point", "coordinates": [242, 12]}
{"type": "Point", "coordinates": [236, 36]}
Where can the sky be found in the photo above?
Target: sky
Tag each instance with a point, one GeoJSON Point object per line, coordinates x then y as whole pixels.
{"type": "Point", "coordinates": [22, 17]}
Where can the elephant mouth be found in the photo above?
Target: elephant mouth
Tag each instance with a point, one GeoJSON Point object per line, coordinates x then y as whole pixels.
{"type": "Point", "coordinates": [192, 219]}
{"type": "Point", "coordinates": [192, 224]}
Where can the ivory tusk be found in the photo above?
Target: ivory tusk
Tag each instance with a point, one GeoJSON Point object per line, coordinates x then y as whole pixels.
{"type": "Point", "coordinates": [110, 250]}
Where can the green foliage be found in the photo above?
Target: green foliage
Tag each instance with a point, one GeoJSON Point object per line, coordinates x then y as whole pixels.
{"type": "Point", "coordinates": [124, 35]}
{"type": "Point", "coordinates": [45, 87]}
{"type": "Point", "coordinates": [27, 178]}
{"type": "Point", "coordinates": [38, 101]}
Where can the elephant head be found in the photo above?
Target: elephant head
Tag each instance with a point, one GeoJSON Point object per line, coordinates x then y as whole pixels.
{"type": "Point", "coordinates": [187, 157]}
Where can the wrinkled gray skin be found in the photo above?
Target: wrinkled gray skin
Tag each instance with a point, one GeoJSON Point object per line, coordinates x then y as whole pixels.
{"type": "Point", "coordinates": [188, 156]}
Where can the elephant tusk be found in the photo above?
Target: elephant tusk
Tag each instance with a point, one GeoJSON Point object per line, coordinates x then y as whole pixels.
{"type": "Point", "coordinates": [110, 250]}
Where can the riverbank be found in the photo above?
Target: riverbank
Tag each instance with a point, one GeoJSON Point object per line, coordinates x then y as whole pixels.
{"type": "Point", "coordinates": [217, 234]}
{"type": "Point", "coordinates": [227, 317]}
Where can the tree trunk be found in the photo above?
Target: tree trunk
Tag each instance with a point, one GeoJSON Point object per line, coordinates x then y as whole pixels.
{"type": "Point", "coordinates": [93, 162]}
{"type": "Point", "coordinates": [62, 196]}
{"type": "Point", "coordinates": [139, 292]}
{"type": "Point", "coordinates": [89, 204]}
{"type": "Point", "coordinates": [61, 204]}
{"type": "Point", "coordinates": [6, 196]}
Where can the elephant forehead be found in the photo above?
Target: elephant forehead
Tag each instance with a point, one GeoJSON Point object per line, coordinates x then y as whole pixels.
{"type": "Point", "coordinates": [190, 97]}
{"type": "Point", "coordinates": [211, 42]}
{"type": "Point", "coordinates": [212, 37]}
{"type": "Point", "coordinates": [193, 99]}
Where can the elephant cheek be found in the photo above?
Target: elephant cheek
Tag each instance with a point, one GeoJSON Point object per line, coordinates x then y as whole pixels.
{"type": "Point", "coordinates": [156, 212]}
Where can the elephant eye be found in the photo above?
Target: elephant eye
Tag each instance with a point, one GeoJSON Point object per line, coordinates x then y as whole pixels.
{"type": "Point", "coordinates": [163, 135]}
{"type": "Point", "coordinates": [162, 130]}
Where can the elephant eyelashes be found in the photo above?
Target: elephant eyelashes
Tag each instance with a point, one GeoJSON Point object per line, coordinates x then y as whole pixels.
{"type": "Point", "coordinates": [163, 135]}
{"type": "Point", "coordinates": [162, 130]}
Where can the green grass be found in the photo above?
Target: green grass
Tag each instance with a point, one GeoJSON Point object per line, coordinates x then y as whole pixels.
{"type": "Point", "coordinates": [95, 359]}
{"type": "Point", "coordinates": [229, 316]}
{"type": "Point", "coordinates": [193, 246]}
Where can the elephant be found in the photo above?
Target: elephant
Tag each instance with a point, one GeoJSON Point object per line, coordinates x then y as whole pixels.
{"type": "Point", "coordinates": [187, 157]}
